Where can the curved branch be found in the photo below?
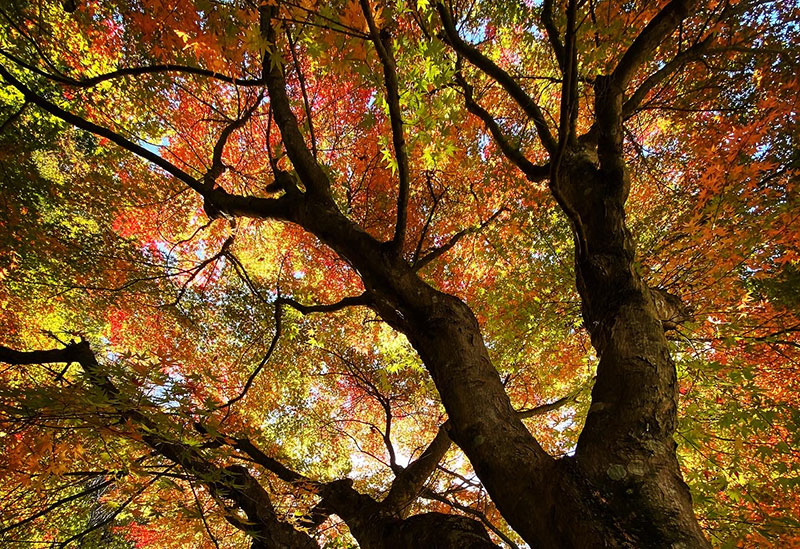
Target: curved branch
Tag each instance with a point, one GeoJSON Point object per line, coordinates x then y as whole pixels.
{"type": "Point", "coordinates": [661, 26]}
{"type": "Point", "coordinates": [308, 169]}
{"type": "Point", "coordinates": [532, 172]}
{"type": "Point", "coordinates": [112, 136]}
{"type": "Point", "coordinates": [552, 34]}
{"type": "Point", "coordinates": [234, 483]}
{"type": "Point", "coordinates": [202, 265]}
{"type": "Point", "coordinates": [430, 494]}
{"type": "Point", "coordinates": [133, 71]}
{"type": "Point", "coordinates": [216, 201]}
{"type": "Point", "coordinates": [217, 166]}
{"type": "Point", "coordinates": [491, 69]}
{"type": "Point", "coordinates": [691, 54]}
{"type": "Point", "coordinates": [272, 345]}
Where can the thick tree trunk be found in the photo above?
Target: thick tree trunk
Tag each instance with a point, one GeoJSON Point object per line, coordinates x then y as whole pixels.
{"type": "Point", "coordinates": [626, 449]}
{"type": "Point", "coordinates": [550, 503]}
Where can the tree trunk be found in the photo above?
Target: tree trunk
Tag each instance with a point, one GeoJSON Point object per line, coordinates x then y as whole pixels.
{"type": "Point", "coordinates": [624, 488]}
{"type": "Point", "coordinates": [626, 449]}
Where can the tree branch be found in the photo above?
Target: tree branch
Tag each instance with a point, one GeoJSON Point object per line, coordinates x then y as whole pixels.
{"type": "Point", "coordinates": [569, 87]}
{"type": "Point", "coordinates": [382, 40]}
{"type": "Point", "coordinates": [552, 34]}
{"type": "Point", "coordinates": [430, 494]}
{"type": "Point", "coordinates": [438, 252]}
{"type": "Point", "coordinates": [302, 81]}
{"type": "Point", "coordinates": [272, 345]}
{"type": "Point", "coordinates": [233, 482]}
{"type": "Point", "coordinates": [491, 69]}
{"type": "Point", "coordinates": [216, 200]}
{"type": "Point", "coordinates": [308, 169]}
{"type": "Point", "coordinates": [352, 301]}
{"type": "Point", "coordinates": [661, 26]}
{"type": "Point", "coordinates": [14, 115]}
{"type": "Point", "coordinates": [550, 406]}
{"type": "Point", "coordinates": [409, 481]}
{"type": "Point", "coordinates": [217, 166]}
{"type": "Point", "coordinates": [59, 503]}
{"type": "Point", "coordinates": [691, 54]}
{"type": "Point", "coordinates": [532, 172]}
{"type": "Point", "coordinates": [132, 71]}
{"type": "Point", "coordinates": [203, 264]}
{"type": "Point", "coordinates": [112, 136]}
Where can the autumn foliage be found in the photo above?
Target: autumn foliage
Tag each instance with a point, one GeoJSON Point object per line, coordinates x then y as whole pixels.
{"type": "Point", "coordinates": [220, 337]}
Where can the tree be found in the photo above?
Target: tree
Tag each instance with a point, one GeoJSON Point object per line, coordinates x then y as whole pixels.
{"type": "Point", "coordinates": [330, 197]}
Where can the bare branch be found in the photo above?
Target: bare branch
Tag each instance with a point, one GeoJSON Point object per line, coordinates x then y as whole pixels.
{"type": "Point", "coordinates": [203, 516]}
{"type": "Point", "coordinates": [430, 256]}
{"type": "Point", "coordinates": [302, 81]}
{"type": "Point", "coordinates": [352, 301]}
{"type": "Point", "coordinates": [203, 264]}
{"type": "Point", "coordinates": [550, 406]}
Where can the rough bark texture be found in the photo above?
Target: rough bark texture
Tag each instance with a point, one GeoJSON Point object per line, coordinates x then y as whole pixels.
{"type": "Point", "coordinates": [626, 449]}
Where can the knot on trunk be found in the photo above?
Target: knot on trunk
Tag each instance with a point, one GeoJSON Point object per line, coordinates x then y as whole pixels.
{"type": "Point", "coordinates": [672, 311]}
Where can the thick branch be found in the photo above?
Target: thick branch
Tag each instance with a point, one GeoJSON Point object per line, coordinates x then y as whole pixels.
{"type": "Point", "coordinates": [661, 26]}
{"type": "Point", "coordinates": [310, 172]}
{"type": "Point", "coordinates": [438, 252]}
{"type": "Point", "coordinates": [569, 87]}
{"type": "Point", "coordinates": [234, 483]}
{"type": "Point", "coordinates": [552, 34]}
{"type": "Point", "coordinates": [532, 172]}
{"type": "Point", "coordinates": [409, 481]}
{"type": "Point", "coordinates": [691, 54]}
